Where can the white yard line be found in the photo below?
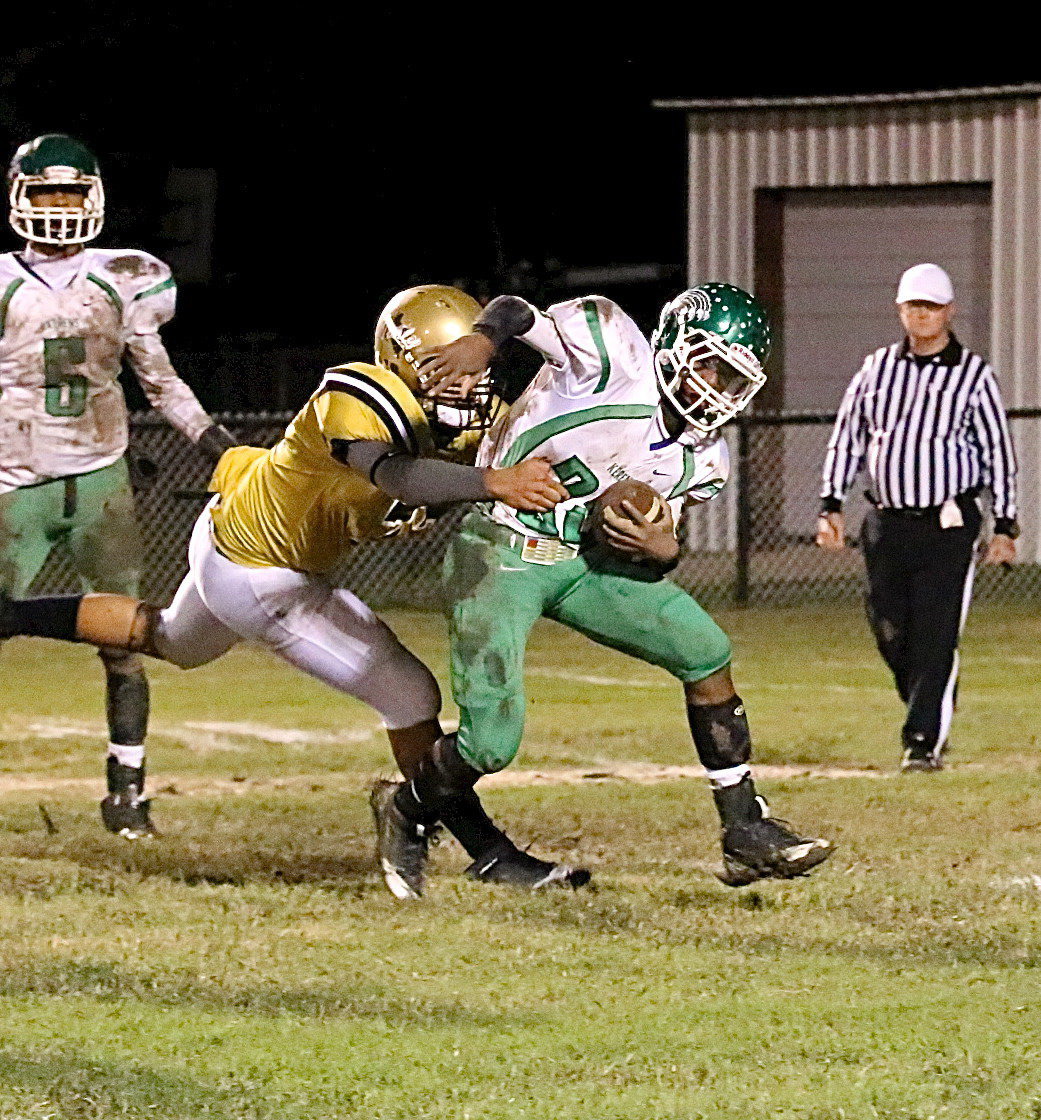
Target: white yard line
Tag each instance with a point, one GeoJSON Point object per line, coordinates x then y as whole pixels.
{"type": "Point", "coordinates": [636, 682]}
{"type": "Point", "coordinates": [281, 736]}
{"type": "Point", "coordinates": [238, 736]}
{"type": "Point", "coordinates": [647, 773]}
{"type": "Point", "coordinates": [605, 682]}
{"type": "Point", "coordinates": [200, 736]}
{"type": "Point", "coordinates": [1020, 882]}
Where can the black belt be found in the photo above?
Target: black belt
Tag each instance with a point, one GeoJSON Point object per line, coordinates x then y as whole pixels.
{"type": "Point", "coordinates": [966, 496]}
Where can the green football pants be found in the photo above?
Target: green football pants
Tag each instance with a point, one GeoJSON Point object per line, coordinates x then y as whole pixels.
{"type": "Point", "coordinates": [92, 515]}
{"type": "Point", "coordinates": [496, 597]}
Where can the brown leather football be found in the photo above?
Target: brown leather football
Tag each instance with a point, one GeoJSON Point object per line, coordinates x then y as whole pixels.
{"type": "Point", "coordinates": [645, 498]}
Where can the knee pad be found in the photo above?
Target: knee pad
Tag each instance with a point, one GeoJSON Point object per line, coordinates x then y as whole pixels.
{"type": "Point", "coordinates": [720, 733]}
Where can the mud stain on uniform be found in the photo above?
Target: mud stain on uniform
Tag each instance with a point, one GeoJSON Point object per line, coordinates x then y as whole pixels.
{"type": "Point", "coordinates": [133, 265]}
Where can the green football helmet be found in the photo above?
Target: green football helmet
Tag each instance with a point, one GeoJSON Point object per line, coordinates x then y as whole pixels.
{"type": "Point", "coordinates": [54, 161]}
{"type": "Point", "coordinates": [709, 349]}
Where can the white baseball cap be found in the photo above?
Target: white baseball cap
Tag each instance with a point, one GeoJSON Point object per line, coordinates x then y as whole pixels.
{"type": "Point", "coordinates": [925, 281]}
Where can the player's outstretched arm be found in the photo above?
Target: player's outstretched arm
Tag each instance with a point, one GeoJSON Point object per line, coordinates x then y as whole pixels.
{"type": "Point", "coordinates": [468, 357]}
{"type": "Point", "coordinates": [530, 485]}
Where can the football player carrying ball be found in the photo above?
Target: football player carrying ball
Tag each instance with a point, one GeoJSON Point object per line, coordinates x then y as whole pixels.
{"type": "Point", "coordinates": [604, 406]}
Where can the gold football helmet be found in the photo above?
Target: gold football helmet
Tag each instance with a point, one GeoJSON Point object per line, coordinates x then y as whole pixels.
{"type": "Point", "coordinates": [413, 322]}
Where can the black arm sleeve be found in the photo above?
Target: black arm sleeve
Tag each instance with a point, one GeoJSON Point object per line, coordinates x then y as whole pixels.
{"type": "Point", "coordinates": [505, 317]}
{"type": "Point", "coordinates": [416, 482]}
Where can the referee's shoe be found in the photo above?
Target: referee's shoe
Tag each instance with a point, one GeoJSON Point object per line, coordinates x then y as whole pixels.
{"type": "Point", "coordinates": [920, 755]}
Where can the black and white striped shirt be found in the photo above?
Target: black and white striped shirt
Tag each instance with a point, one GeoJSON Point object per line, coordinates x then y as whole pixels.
{"type": "Point", "coordinates": [927, 430]}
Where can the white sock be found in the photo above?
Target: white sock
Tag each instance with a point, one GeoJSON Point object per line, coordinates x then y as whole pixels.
{"type": "Point", "coordinates": [132, 755]}
{"type": "Point", "coordinates": [731, 776]}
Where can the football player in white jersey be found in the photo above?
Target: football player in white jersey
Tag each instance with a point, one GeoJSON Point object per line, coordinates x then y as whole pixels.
{"type": "Point", "coordinates": [69, 316]}
{"type": "Point", "coordinates": [605, 406]}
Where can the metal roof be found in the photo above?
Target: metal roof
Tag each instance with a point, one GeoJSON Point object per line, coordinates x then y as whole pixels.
{"type": "Point", "coordinates": [728, 104]}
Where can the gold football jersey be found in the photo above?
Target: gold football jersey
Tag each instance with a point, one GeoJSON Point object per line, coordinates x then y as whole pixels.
{"type": "Point", "coordinates": [299, 505]}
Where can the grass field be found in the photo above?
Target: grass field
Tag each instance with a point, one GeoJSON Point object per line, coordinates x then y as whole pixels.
{"type": "Point", "coordinates": [251, 965]}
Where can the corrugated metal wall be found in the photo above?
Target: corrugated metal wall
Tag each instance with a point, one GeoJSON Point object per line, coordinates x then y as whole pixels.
{"type": "Point", "coordinates": [995, 141]}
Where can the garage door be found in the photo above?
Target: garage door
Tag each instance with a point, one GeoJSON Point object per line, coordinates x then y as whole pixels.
{"type": "Point", "coordinates": [843, 253]}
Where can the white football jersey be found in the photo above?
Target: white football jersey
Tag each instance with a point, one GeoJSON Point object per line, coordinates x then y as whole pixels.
{"type": "Point", "coordinates": [65, 326]}
{"type": "Point", "coordinates": [594, 411]}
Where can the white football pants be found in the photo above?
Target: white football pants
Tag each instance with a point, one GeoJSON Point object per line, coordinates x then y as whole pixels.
{"type": "Point", "coordinates": [324, 630]}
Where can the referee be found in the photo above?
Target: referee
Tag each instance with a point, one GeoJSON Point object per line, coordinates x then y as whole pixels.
{"type": "Point", "coordinates": [925, 417]}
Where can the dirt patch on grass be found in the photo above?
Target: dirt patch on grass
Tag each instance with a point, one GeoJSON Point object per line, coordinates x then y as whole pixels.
{"type": "Point", "coordinates": [639, 773]}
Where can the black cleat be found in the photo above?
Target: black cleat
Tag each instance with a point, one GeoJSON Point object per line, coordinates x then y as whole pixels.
{"type": "Point", "coordinates": [755, 846]}
{"type": "Point", "coordinates": [126, 814]}
{"type": "Point", "coordinates": [125, 810]}
{"type": "Point", "coordinates": [514, 868]}
{"type": "Point", "coordinates": [768, 849]}
{"type": "Point", "coordinates": [401, 844]}
{"type": "Point", "coordinates": [920, 757]}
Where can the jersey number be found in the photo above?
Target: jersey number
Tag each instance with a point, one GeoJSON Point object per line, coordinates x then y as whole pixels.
{"type": "Point", "coordinates": [579, 481]}
{"type": "Point", "coordinates": [66, 391]}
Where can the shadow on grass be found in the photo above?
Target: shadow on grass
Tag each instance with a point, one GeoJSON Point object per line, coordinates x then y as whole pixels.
{"type": "Point", "coordinates": [356, 997]}
{"type": "Point", "coordinates": [74, 1088]}
{"type": "Point", "coordinates": [97, 864]}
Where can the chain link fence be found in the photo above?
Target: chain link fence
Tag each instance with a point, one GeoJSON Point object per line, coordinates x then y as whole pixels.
{"type": "Point", "coordinates": [752, 544]}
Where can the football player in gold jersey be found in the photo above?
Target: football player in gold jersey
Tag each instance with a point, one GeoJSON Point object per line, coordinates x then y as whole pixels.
{"type": "Point", "coordinates": [281, 519]}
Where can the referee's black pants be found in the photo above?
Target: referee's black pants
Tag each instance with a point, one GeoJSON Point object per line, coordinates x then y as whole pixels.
{"type": "Point", "coordinates": [919, 586]}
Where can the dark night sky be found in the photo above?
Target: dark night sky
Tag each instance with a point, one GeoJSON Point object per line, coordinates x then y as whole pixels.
{"type": "Point", "coordinates": [355, 157]}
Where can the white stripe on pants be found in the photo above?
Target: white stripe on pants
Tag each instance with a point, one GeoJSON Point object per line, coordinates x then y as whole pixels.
{"type": "Point", "coordinates": [326, 631]}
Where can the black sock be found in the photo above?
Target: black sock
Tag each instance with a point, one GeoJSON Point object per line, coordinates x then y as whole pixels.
{"type": "Point", "coordinates": [467, 821]}
{"type": "Point", "coordinates": [51, 617]}
{"type": "Point", "coordinates": [442, 780]}
{"type": "Point", "coordinates": [738, 804]}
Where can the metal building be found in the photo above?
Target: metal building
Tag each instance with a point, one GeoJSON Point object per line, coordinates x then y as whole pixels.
{"type": "Point", "coordinates": [818, 204]}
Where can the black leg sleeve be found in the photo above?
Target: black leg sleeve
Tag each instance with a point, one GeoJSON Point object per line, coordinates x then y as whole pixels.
{"type": "Point", "coordinates": [720, 733]}
{"type": "Point", "coordinates": [50, 617]}
{"type": "Point", "coordinates": [127, 698]}
{"type": "Point", "coordinates": [441, 782]}
{"type": "Point", "coordinates": [467, 821]}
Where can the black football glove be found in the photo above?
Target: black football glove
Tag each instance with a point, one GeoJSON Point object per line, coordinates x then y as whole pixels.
{"type": "Point", "coordinates": [215, 441]}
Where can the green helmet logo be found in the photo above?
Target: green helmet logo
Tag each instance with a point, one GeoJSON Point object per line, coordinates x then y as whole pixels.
{"type": "Point", "coordinates": [709, 348]}
{"type": "Point", "coordinates": [51, 163]}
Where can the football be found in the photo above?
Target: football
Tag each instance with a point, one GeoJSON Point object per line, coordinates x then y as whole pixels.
{"type": "Point", "coordinates": [645, 498]}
